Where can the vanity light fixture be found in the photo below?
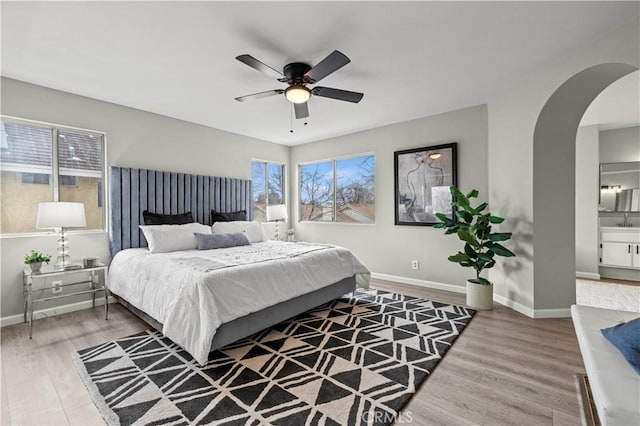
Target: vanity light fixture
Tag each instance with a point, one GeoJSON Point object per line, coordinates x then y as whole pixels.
{"type": "Point", "coordinates": [617, 188]}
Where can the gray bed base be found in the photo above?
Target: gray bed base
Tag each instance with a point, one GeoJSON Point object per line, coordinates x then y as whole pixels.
{"type": "Point", "coordinates": [246, 326]}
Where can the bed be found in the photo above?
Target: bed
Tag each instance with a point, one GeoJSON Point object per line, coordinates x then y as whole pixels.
{"type": "Point", "coordinates": [205, 299]}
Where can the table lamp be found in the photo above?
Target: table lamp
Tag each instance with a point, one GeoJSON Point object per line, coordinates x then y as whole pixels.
{"type": "Point", "coordinates": [61, 215]}
{"type": "Point", "coordinates": [277, 213]}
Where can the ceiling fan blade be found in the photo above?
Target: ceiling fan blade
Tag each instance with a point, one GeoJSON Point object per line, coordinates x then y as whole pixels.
{"type": "Point", "coordinates": [328, 65]}
{"type": "Point", "coordinates": [341, 95]}
{"type": "Point", "coordinates": [260, 95]}
{"type": "Point", "coordinates": [302, 110]}
{"type": "Point", "coordinates": [260, 66]}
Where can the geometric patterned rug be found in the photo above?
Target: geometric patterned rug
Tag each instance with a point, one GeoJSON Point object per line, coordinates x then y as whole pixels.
{"type": "Point", "coordinates": [355, 360]}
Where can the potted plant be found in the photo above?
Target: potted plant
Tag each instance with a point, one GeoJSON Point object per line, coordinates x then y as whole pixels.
{"type": "Point", "coordinates": [35, 259]}
{"type": "Point", "coordinates": [481, 246]}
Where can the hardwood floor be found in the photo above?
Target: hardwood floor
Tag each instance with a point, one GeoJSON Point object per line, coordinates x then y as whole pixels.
{"type": "Point", "coordinates": [505, 369]}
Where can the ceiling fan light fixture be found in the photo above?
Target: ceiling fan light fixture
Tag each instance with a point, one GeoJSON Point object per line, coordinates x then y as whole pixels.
{"type": "Point", "coordinates": [297, 94]}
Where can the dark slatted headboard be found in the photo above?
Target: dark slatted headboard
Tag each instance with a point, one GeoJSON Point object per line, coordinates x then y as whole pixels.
{"type": "Point", "coordinates": [131, 191]}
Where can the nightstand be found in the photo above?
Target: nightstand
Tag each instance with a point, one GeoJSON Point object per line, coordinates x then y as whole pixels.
{"type": "Point", "coordinates": [35, 282]}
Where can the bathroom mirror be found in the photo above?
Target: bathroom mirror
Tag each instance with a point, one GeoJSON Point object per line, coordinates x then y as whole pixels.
{"type": "Point", "coordinates": [620, 187]}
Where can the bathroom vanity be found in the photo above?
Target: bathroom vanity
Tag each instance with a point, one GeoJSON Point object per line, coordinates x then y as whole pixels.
{"type": "Point", "coordinates": [620, 247]}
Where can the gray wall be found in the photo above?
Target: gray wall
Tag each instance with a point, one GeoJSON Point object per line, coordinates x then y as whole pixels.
{"type": "Point", "coordinates": [512, 120]}
{"type": "Point", "coordinates": [135, 138]}
{"type": "Point", "coordinates": [384, 247]}
{"type": "Point", "coordinates": [587, 192]}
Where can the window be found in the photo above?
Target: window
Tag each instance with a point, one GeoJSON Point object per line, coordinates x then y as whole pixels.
{"type": "Point", "coordinates": [66, 180]}
{"type": "Point", "coordinates": [341, 190]}
{"type": "Point", "coordinates": [30, 173]}
{"type": "Point", "coordinates": [268, 187]}
{"type": "Point", "coordinates": [35, 179]}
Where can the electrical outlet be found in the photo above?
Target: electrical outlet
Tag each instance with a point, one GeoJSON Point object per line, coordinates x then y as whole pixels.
{"type": "Point", "coordinates": [415, 264]}
{"type": "Point", "coordinates": [56, 286]}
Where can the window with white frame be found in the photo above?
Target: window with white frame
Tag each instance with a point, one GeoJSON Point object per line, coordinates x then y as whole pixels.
{"type": "Point", "coordinates": [41, 162]}
{"type": "Point", "coordinates": [339, 190]}
{"type": "Point", "coordinates": [268, 187]}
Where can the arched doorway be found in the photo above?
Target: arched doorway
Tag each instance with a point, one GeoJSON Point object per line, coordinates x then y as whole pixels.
{"type": "Point", "coordinates": [554, 182]}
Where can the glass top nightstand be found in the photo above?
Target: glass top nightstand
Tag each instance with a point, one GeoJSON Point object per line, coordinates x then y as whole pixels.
{"type": "Point", "coordinates": [36, 282]}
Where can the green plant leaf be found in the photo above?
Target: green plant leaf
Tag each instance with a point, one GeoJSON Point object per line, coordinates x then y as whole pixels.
{"type": "Point", "coordinates": [468, 237]}
{"type": "Point", "coordinates": [495, 219]}
{"type": "Point", "coordinates": [459, 257]}
{"type": "Point", "coordinates": [445, 220]}
{"type": "Point", "coordinates": [473, 194]}
{"type": "Point", "coordinates": [469, 251]}
{"type": "Point", "coordinates": [461, 199]}
{"type": "Point", "coordinates": [481, 207]}
{"type": "Point", "coordinates": [464, 215]}
{"type": "Point", "coordinates": [500, 250]}
{"type": "Point", "coordinates": [500, 236]}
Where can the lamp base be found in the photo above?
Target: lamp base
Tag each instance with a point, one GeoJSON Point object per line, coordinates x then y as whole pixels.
{"type": "Point", "coordinates": [277, 231]}
{"type": "Point", "coordinates": [62, 259]}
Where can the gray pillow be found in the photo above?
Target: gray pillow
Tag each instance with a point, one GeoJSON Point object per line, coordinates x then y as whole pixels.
{"type": "Point", "coordinates": [217, 241]}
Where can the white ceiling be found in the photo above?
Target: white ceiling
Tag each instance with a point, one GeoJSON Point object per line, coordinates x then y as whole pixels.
{"type": "Point", "coordinates": [411, 59]}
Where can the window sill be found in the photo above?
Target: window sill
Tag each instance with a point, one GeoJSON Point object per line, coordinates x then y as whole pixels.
{"type": "Point", "coordinates": [48, 234]}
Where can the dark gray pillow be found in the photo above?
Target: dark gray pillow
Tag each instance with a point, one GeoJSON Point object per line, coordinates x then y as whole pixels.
{"type": "Point", "coordinates": [217, 241]}
{"type": "Point", "coordinates": [166, 219]}
{"type": "Point", "coordinates": [228, 217]}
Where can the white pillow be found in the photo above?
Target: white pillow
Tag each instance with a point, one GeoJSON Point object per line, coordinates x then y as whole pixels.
{"type": "Point", "coordinates": [253, 230]}
{"type": "Point", "coordinates": [167, 238]}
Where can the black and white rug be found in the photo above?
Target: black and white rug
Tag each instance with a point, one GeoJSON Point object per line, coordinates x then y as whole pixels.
{"type": "Point", "coordinates": [356, 360]}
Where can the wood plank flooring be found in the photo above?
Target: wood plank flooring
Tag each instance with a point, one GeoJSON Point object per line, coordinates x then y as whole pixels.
{"type": "Point", "coordinates": [505, 369]}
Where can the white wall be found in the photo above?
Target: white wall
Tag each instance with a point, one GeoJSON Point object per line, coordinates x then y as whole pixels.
{"type": "Point", "coordinates": [384, 247]}
{"type": "Point", "coordinates": [620, 145]}
{"type": "Point", "coordinates": [134, 139]}
{"type": "Point", "coordinates": [587, 192]}
{"type": "Point", "coordinates": [512, 120]}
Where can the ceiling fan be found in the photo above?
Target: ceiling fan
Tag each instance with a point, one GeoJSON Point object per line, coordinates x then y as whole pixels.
{"type": "Point", "coordinates": [298, 75]}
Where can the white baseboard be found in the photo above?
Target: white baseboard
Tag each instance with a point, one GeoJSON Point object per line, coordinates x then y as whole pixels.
{"type": "Point", "coordinates": [588, 275]}
{"type": "Point", "coordinates": [49, 312]}
{"type": "Point", "coordinates": [518, 307]}
{"type": "Point", "coordinates": [552, 313]}
{"type": "Point", "coordinates": [420, 283]}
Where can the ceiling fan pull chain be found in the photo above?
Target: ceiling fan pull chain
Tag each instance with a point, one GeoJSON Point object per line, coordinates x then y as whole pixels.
{"type": "Point", "coordinates": [291, 120]}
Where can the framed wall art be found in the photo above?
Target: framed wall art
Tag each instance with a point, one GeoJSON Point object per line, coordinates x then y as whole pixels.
{"type": "Point", "coordinates": [422, 180]}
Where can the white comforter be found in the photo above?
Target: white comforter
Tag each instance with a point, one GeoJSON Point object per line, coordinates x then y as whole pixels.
{"type": "Point", "coordinates": [193, 292]}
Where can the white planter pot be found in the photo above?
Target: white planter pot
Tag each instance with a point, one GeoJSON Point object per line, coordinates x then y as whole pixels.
{"type": "Point", "coordinates": [479, 296]}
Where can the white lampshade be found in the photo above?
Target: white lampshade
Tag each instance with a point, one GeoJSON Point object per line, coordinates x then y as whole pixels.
{"type": "Point", "coordinates": [61, 215]}
{"type": "Point", "coordinates": [277, 212]}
